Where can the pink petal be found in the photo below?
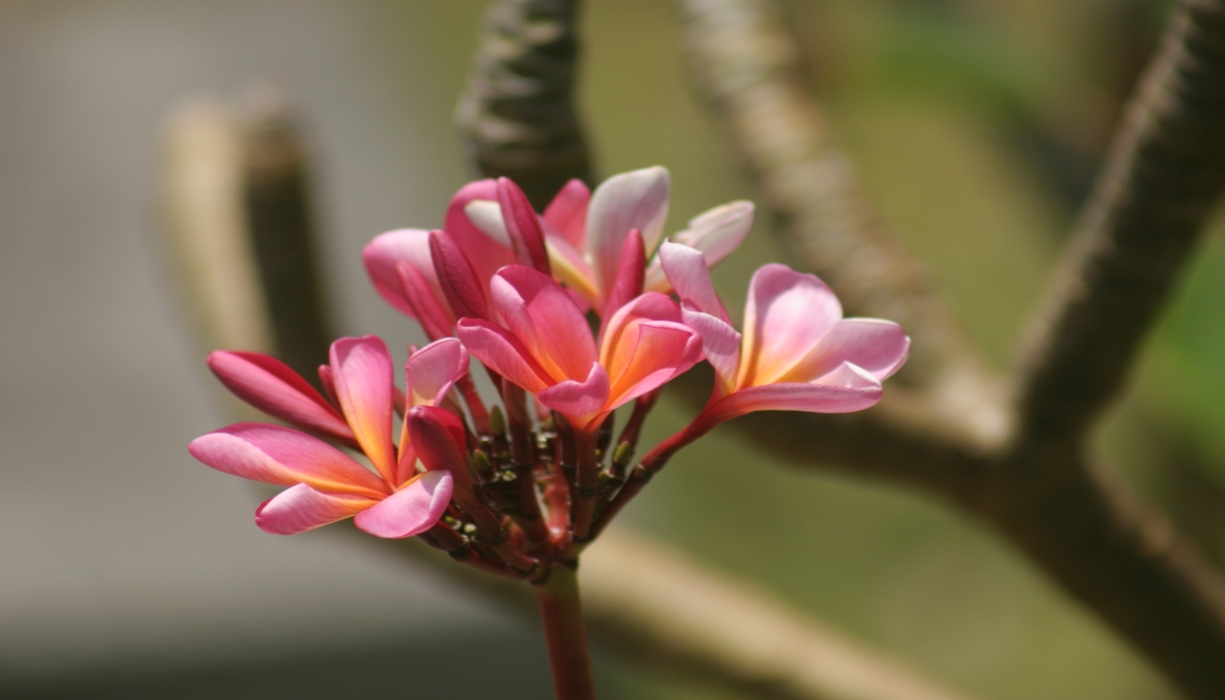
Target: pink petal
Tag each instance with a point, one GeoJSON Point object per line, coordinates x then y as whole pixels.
{"type": "Point", "coordinates": [382, 256]}
{"type": "Point", "coordinates": [580, 402]}
{"type": "Point", "coordinates": [465, 293]}
{"type": "Point", "coordinates": [485, 253]}
{"type": "Point", "coordinates": [637, 199]}
{"type": "Point", "coordinates": [720, 344]}
{"type": "Point", "coordinates": [329, 387]}
{"type": "Point", "coordinates": [523, 226]}
{"type": "Point", "coordinates": [567, 213]}
{"type": "Point", "coordinates": [431, 371]}
{"type": "Point", "coordinates": [647, 355]}
{"type": "Point", "coordinates": [283, 456]}
{"type": "Point", "coordinates": [544, 318]}
{"type": "Point", "coordinates": [412, 510]}
{"type": "Point", "coordinates": [845, 390]}
{"type": "Point", "coordinates": [361, 369]}
{"type": "Point", "coordinates": [719, 231]}
{"type": "Point", "coordinates": [501, 352]}
{"type": "Point", "coordinates": [689, 275]}
{"type": "Point", "coordinates": [428, 306]}
{"type": "Point", "coordinates": [628, 283]}
{"type": "Point", "coordinates": [301, 508]}
{"type": "Point", "coordinates": [271, 386]}
{"type": "Point", "coordinates": [786, 314]}
{"type": "Point", "coordinates": [438, 437]}
{"type": "Point", "coordinates": [876, 346]}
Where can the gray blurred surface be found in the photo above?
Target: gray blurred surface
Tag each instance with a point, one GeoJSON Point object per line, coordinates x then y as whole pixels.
{"type": "Point", "coordinates": [117, 550]}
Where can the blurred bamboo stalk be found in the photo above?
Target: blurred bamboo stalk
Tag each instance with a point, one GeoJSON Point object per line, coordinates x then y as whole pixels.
{"type": "Point", "coordinates": [651, 605]}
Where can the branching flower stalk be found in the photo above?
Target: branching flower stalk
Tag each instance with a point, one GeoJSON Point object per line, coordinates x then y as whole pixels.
{"type": "Point", "coordinates": [573, 314]}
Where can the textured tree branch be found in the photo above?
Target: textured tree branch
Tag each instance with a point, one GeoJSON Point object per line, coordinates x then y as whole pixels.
{"type": "Point", "coordinates": [1165, 172]}
{"type": "Point", "coordinates": [518, 114]}
{"type": "Point", "coordinates": [1086, 531]}
{"type": "Point", "coordinates": [650, 605]}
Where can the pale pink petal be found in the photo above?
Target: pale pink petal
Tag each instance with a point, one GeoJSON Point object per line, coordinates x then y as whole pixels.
{"type": "Point", "coordinates": [412, 510]}
{"type": "Point", "coordinates": [301, 508]}
{"type": "Point", "coordinates": [581, 401]}
{"type": "Point", "coordinates": [546, 321]}
{"type": "Point", "coordinates": [786, 314]}
{"type": "Point", "coordinates": [361, 369]}
{"type": "Point", "coordinates": [382, 256]}
{"type": "Point", "coordinates": [271, 386]}
{"type": "Point", "coordinates": [465, 293]}
{"type": "Point", "coordinates": [567, 213]}
{"type": "Point", "coordinates": [431, 371]}
{"type": "Point", "coordinates": [689, 275]}
{"type": "Point", "coordinates": [845, 390]}
{"type": "Point", "coordinates": [486, 215]}
{"type": "Point", "coordinates": [719, 231]}
{"type": "Point", "coordinates": [485, 253]}
{"type": "Point", "coordinates": [429, 307]}
{"type": "Point", "coordinates": [283, 456]}
{"type": "Point", "coordinates": [501, 352]}
{"type": "Point", "coordinates": [720, 344]}
{"type": "Point", "coordinates": [523, 226]}
{"type": "Point", "coordinates": [628, 284]}
{"type": "Point", "coordinates": [637, 199]}
{"type": "Point", "coordinates": [876, 346]}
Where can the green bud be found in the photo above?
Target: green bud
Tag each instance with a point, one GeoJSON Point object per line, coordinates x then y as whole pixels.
{"type": "Point", "coordinates": [622, 454]}
{"type": "Point", "coordinates": [497, 421]}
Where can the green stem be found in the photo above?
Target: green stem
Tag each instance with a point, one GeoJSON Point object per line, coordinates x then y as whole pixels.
{"type": "Point", "coordinates": [565, 634]}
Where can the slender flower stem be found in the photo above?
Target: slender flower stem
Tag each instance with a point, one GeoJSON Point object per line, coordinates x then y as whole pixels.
{"type": "Point", "coordinates": [647, 468]}
{"type": "Point", "coordinates": [565, 634]}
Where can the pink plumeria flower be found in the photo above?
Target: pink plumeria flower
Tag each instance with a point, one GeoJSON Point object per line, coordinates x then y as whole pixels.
{"type": "Point", "coordinates": [545, 345]}
{"type": "Point", "coordinates": [586, 232]}
{"type": "Point", "coordinates": [326, 484]}
{"type": "Point", "coordinates": [442, 275]}
{"type": "Point", "coordinates": [797, 352]}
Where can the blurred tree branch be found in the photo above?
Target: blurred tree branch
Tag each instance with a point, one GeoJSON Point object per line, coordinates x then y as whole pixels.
{"type": "Point", "coordinates": [1030, 480]}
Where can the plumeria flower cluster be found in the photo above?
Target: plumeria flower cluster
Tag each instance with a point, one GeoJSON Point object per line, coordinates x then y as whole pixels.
{"type": "Point", "coordinates": [572, 313]}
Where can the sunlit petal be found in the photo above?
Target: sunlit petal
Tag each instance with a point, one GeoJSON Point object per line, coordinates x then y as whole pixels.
{"type": "Point", "coordinates": [719, 231]}
{"type": "Point", "coordinates": [362, 371]}
{"type": "Point", "coordinates": [301, 508]}
{"type": "Point", "coordinates": [878, 347]}
{"type": "Point", "coordinates": [787, 313]}
{"type": "Point", "coordinates": [412, 510]}
{"type": "Point", "coordinates": [283, 456]}
{"type": "Point", "coordinates": [637, 199]}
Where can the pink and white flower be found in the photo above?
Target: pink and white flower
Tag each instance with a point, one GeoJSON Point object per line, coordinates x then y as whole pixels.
{"type": "Point", "coordinates": [394, 499]}
{"type": "Point", "coordinates": [545, 345]}
{"type": "Point", "coordinates": [797, 353]}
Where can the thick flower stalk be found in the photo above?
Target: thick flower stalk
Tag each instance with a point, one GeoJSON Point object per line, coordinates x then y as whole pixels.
{"type": "Point", "coordinates": [573, 313]}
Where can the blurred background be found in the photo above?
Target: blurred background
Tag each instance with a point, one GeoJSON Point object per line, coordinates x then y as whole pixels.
{"type": "Point", "coordinates": [128, 570]}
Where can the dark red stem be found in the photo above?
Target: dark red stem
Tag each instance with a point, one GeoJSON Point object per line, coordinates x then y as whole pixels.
{"type": "Point", "coordinates": [565, 634]}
